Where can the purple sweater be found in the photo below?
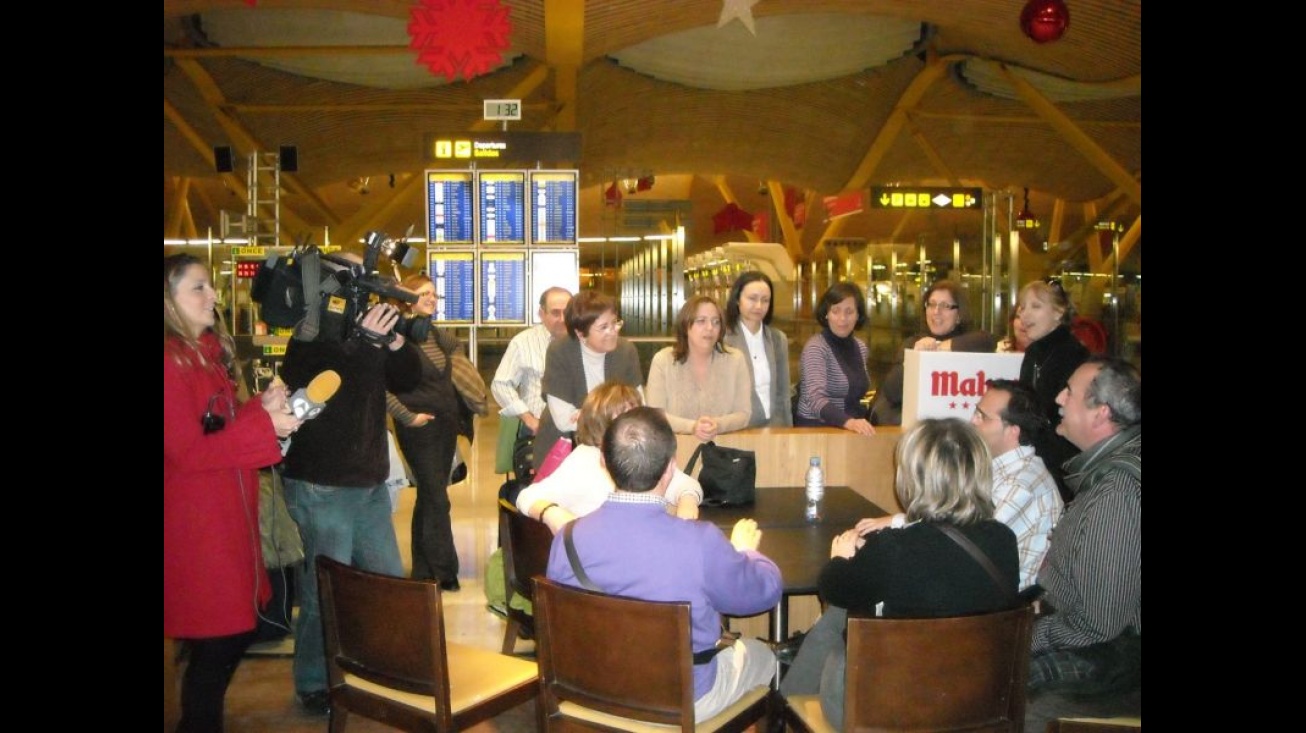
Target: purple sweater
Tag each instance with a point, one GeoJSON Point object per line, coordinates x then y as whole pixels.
{"type": "Point", "coordinates": [638, 550]}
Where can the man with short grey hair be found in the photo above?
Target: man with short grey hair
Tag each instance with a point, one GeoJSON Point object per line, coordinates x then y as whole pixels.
{"type": "Point", "coordinates": [1087, 644]}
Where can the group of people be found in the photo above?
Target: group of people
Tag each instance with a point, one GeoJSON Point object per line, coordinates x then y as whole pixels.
{"type": "Point", "coordinates": [728, 370]}
{"type": "Point", "coordinates": [631, 506]}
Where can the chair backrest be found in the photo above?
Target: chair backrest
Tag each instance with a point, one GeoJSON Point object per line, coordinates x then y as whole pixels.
{"type": "Point", "coordinates": [962, 673]}
{"type": "Point", "coordinates": [526, 545]}
{"type": "Point", "coordinates": [617, 655]}
{"type": "Point", "coordinates": [386, 630]}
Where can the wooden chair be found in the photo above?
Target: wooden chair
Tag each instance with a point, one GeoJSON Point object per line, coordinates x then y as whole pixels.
{"type": "Point", "coordinates": [526, 544]}
{"type": "Point", "coordinates": [962, 673]}
{"type": "Point", "coordinates": [388, 660]}
{"type": "Point", "coordinates": [616, 663]}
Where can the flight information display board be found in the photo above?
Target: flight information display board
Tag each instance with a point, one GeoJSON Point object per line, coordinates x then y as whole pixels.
{"type": "Point", "coordinates": [503, 288]}
{"type": "Point", "coordinates": [449, 214]}
{"type": "Point", "coordinates": [552, 268]}
{"type": "Point", "coordinates": [553, 206]}
{"type": "Point", "coordinates": [454, 275]}
{"type": "Point", "coordinates": [501, 196]}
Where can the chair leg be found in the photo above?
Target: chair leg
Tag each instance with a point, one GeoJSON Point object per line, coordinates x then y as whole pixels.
{"type": "Point", "coordinates": [509, 637]}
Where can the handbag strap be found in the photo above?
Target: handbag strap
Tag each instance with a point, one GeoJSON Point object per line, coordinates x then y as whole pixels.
{"type": "Point", "coordinates": [974, 551]}
{"type": "Point", "coordinates": [576, 567]}
{"type": "Point", "coordinates": [693, 460]}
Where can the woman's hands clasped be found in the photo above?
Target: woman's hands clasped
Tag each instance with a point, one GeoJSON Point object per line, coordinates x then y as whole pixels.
{"type": "Point", "coordinates": [276, 400]}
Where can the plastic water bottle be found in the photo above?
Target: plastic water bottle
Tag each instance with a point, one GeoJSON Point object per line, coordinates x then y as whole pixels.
{"type": "Point", "coordinates": [815, 489]}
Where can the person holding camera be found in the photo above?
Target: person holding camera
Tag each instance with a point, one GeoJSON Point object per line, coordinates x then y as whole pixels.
{"type": "Point", "coordinates": [428, 420]}
{"type": "Point", "coordinates": [214, 580]}
{"type": "Point", "coordinates": [336, 468]}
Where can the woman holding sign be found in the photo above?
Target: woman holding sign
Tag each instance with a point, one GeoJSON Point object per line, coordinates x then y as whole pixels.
{"type": "Point", "coordinates": [946, 321]}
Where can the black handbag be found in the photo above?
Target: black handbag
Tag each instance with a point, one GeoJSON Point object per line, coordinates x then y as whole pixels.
{"type": "Point", "coordinates": [728, 476]}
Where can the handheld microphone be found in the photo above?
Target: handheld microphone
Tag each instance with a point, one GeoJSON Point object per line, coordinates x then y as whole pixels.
{"type": "Point", "coordinates": [307, 402]}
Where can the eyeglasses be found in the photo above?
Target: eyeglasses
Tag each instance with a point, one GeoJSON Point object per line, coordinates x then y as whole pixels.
{"type": "Point", "coordinates": [935, 305]}
{"type": "Point", "coordinates": [985, 417]}
{"type": "Point", "coordinates": [613, 327]}
{"type": "Point", "coordinates": [705, 320]}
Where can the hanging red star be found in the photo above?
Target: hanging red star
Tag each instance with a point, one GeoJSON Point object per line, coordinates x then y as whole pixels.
{"type": "Point", "coordinates": [730, 218]}
{"type": "Point", "coordinates": [453, 37]}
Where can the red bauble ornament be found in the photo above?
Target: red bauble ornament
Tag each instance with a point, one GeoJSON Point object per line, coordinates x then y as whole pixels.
{"type": "Point", "coordinates": [1045, 20]}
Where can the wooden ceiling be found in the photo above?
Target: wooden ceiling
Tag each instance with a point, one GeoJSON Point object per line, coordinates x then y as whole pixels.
{"type": "Point", "coordinates": [1065, 121]}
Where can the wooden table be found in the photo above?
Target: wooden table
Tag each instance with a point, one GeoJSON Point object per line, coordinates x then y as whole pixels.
{"type": "Point", "coordinates": [798, 548]}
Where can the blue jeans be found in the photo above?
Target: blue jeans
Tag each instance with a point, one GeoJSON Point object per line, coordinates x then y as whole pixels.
{"type": "Point", "coordinates": [347, 524]}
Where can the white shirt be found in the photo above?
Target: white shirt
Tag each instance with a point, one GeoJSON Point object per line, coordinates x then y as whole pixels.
{"type": "Point", "coordinates": [756, 343]}
{"type": "Point", "coordinates": [517, 382]}
{"type": "Point", "coordinates": [580, 484]}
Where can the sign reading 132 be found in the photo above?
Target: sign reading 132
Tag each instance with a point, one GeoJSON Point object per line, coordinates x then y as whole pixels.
{"type": "Point", "coordinates": [502, 109]}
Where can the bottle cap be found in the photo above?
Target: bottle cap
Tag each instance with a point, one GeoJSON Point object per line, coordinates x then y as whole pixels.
{"type": "Point", "coordinates": [815, 461]}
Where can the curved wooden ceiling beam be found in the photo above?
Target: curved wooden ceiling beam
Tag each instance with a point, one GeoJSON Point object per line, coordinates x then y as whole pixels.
{"type": "Point", "coordinates": [935, 67]}
{"type": "Point", "coordinates": [1076, 136]}
{"type": "Point", "coordinates": [247, 144]}
{"type": "Point", "coordinates": [564, 41]}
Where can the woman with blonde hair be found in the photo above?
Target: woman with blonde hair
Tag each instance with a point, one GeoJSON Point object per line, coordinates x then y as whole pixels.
{"type": "Point", "coordinates": [580, 483]}
{"type": "Point", "coordinates": [1052, 356]}
{"type": "Point", "coordinates": [214, 579]}
{"type": "Point", "coordinates": [916, 569]}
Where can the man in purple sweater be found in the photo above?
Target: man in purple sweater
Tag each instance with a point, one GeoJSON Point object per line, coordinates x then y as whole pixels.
{"type": "Point", "coordinates": [632, 546]}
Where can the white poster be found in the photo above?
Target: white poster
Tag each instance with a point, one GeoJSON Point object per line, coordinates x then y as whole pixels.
{"type": "Point", "coordinates": [950, 383]}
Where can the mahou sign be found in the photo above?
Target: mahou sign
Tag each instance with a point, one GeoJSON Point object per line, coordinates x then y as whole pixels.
{"type": "Point", "coordinates": [948, 383]}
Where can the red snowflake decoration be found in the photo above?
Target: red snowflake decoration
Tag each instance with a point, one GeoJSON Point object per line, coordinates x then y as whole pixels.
{"type": "Point", "coordinates": [459, 36]}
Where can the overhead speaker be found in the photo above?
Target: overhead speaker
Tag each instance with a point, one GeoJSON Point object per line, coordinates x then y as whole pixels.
{"type": "Point", "coordinates": [289, 155]}
{"type": "Point", "coordinates": [222, 159]}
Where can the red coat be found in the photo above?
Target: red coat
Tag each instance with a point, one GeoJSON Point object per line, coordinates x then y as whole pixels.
{"type": "Point", "coordinates": [212, 553]}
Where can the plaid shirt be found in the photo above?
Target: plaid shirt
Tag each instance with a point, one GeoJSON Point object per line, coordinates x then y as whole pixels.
{"type": "Point", "coordinates": [1025, 498]}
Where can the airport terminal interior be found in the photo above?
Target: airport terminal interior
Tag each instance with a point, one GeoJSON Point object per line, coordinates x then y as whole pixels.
{"type": "Point", "coordinates": [670, 145]}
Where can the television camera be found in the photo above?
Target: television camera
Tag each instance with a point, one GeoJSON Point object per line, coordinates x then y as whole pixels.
{"type": "Point", "coordinates": [323, 296]}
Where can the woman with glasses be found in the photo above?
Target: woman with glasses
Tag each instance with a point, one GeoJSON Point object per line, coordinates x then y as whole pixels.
{"type": "Point", "coordinates": [702, 385]}
{"type": "Point", "coordinates": [1052, 356]}
{"type": "Point", "coordinates": [834, 377]}
{"type": "Point", "coordinates": [593, 353]}
{"type": "Point", "coordinates": [766, 349]}
{"type": "Point", "coordinates": [946, 327]}
{"type": "Point", "coordinates": [214, 580]}
{"type": "Point", "coordinates": [428, 420]}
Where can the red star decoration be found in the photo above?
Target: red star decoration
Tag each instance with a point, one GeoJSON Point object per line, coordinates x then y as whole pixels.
{"type": "Point", "coordinates": [453, 37]}
{"type": "Point", "coordinates": [731, 217]}
{"type": "Point", "coordinates": [952, 405]}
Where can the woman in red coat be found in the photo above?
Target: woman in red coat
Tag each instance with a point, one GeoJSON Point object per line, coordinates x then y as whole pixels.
{"type": "Point", "coordinates": [213, 576]}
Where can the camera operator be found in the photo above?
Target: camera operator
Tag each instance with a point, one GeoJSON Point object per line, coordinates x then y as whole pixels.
{"type": "Point", "coordinates": [336, 467]}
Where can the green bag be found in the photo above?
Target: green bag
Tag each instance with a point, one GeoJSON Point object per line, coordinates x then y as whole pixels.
{"type": "Point", "coordinates": [508, 427]}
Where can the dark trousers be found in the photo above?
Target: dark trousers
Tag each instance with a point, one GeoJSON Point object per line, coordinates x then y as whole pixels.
{"type": "Point", "coordinates": [212, 662]}
{"type": "Point", "coordinates": [429, 451]}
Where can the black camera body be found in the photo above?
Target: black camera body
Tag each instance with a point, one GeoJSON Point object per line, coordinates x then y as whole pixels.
{"type": "Point", "coordinates": [324, 296]}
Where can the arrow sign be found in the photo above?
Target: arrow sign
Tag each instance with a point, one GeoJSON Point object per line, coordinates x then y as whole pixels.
{"type": "Point", "coordinates": [926, 197]}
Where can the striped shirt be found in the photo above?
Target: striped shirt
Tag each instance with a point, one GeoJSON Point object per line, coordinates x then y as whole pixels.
{"type": "Point", "coordinates": [517, 382]}
{"type": "Point", "coordinates": [823, 391]}
{"type": "Point", "coordinates": [1094, 570]}
{"type": "Point", "coordinates": [1026, 499]}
